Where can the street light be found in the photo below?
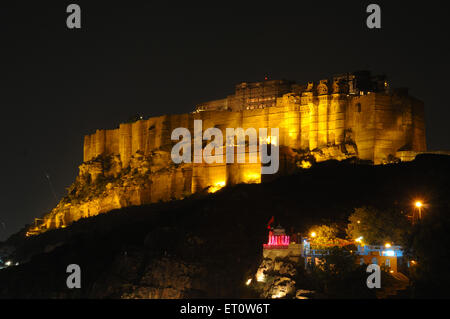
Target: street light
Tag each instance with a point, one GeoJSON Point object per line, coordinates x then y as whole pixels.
{"type": "Point", "coordinates": [419, 205]}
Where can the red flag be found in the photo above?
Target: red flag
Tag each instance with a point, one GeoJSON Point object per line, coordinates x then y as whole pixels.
{"type": "Point", "coordinates": [270, 222]}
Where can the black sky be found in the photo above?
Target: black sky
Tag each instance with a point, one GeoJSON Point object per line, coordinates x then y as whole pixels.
{"type": "Point", "coordinates": [130, 57]}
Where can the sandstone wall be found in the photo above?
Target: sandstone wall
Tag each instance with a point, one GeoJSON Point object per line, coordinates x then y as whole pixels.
{"type": "Point", "coordinates": [380, 125]}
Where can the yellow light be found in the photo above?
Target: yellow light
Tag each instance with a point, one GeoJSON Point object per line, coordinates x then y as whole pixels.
{"type": "Point", "coordinates": [313, 234]}
{"type": "Point", "coordinates": [214, 188]}
{"type": "Point", "coordinates": [359, 222]}
{"type": "Point", "coordinates": [387, 245]}
{"type": "Point", "coordinates": [274, 140]}
{"type": "Point", "coordinates": [269, 140]}
{"type": "Point", "coordinates": [391, 271]}
{"type": "Point", "coordinates": [419, 204]}
{"type": "Point", "coordinates": [248, 282]}
{"type": "Point", "coordinates": [305, 164]}
{"type": "Point", "coordinates": [359, 239]}
{"type": "Point", "coordinates": [279, 295]}
{"type": "Point", "coordinates": [260, 277]}
{"type": "Point", "coordinates": [253, 178]}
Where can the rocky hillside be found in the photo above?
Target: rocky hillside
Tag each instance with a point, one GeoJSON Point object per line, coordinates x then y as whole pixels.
{"type": "Point", "coordinates": [103, 185]}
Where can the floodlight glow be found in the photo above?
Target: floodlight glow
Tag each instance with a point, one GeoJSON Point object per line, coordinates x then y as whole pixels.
{"type": "Point", "coordinates": [389, 253]}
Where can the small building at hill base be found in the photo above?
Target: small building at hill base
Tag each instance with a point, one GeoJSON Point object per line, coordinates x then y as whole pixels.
{"type": "Point", "coordinates": [297, 249]}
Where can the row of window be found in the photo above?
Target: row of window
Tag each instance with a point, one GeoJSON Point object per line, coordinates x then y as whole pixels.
{"type": "Point", "coordinates": [261, 106]}
{"type": "Point", "coordinates": [261, 99]}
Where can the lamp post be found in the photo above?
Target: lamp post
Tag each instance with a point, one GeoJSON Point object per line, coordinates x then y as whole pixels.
{"type": "Point", "coordinates": [419, 207]}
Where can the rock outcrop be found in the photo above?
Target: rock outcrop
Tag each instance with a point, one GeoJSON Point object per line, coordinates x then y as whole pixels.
{"type": "Point", "coordinates": [276, 278]}
{"type": "Point", "coordinates": [103, 185]}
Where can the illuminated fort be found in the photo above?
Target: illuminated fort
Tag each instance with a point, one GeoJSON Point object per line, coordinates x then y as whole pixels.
{"type": "Point", "coordinates": [348, 115]}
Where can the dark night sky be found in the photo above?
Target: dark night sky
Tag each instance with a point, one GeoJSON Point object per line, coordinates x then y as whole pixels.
{"type": "Point", "coordinates": [128, 58]}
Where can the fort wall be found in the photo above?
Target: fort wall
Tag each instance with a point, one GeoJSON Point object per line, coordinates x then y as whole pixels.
{"type": "Point", "coordinates": [379, 124]}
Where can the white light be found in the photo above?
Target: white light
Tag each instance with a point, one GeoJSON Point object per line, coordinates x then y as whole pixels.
{"type": "Point", "coordinates": [8, 263]}
{"type": "Point", "coordinates": [389, 253]}
{"type": "Point", "coordinates": [260, 277]}
{"type": "Point", "coordinates": [279, 295]}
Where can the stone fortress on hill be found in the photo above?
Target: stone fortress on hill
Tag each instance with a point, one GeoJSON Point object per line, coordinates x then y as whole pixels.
{"type": "Point", "coordinates": [349, 115]}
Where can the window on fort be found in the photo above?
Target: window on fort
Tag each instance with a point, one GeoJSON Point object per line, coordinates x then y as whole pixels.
{"type": "Point", "coordinates": [358, 107]}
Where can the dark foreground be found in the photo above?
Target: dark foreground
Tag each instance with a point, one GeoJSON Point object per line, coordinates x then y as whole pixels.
{"type": "Point", "coordinates": [207, 246]}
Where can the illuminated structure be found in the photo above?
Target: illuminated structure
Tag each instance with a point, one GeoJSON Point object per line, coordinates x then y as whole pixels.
{"type": "Point", "coordinates": [388, 255]}
{"type": "Point", "coordinates": [280, 245]}
{"type": "Point", "coordinates": [277, 239]}
{"type": "Point", "coordinates": [348, 115]}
